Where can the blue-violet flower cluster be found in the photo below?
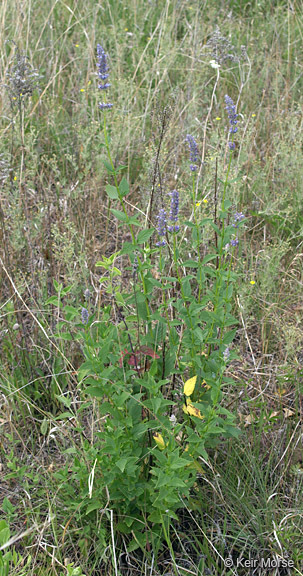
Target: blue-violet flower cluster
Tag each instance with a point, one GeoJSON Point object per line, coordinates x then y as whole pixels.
{"type": "Point", "coordinates": [231, 110]}
{"type": "Point", "coordinates": [161, 226]}
{"type": "Point", "coordinates": [103, 74]}
{"type": "Point", "coordinates": [238, 217]}
{"type": "Point", "coordinates": [84, 316]}
{"type": "Point", "coordinates": [193, 152]}
{"type": "Point", "coordinates": [174, 211]}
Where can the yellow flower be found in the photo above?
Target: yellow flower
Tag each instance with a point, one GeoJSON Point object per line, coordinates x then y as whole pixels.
{"type": "Point", "coordinates": [125, 29]}
{"type": "Point", "coordinates": [253, 115]}
{"type": "Point", "coordinates": [205, 201]}
{"type": "Point", "coordinates": [189, 386]}
{"type": "Point", "coordinates": [198, 204]}
{"type": "Point", "coordinates": [218, 118]}
{"type": "Point", "coordinates": [77, 45]}
{"type": "Point", "coordinates": [159, 440]}
{"type": "Point", "coordinates": [252, 282]}
{"type": "Point", "coordinates": [82, 90]}
{"type": "Point", "coordinates": [15, 178]}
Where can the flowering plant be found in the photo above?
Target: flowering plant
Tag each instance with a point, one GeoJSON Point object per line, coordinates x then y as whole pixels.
{"type": "Point", "coordinates": [156, 355]}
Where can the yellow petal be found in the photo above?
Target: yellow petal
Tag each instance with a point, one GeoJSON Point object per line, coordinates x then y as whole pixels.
{"type": "Point", "coordinates": [159, 440]}
{"type": "Point", "coordinates": [189, 386]}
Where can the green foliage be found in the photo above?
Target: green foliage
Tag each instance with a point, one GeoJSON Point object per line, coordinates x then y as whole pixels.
{"type": "Point", "coordinates": [139, 350]}
{"type": "Point", "coordinates": [11, 562]}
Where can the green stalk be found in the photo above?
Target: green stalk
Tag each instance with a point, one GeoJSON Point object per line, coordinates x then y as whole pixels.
{"type": "Point", "coordinates": [114, 173]}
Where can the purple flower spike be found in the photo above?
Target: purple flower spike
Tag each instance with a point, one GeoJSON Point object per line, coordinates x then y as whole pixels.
{"type": "Point", "coordinates": [174, 206]}
{"type": "Point", "coordinates": [84, 316]}
{"type": "Point", "coordinates": [161, 226]}
{"type": "Point", "coordinates": [193, 152]}
{"type": "Point", "coordinates": [232, 115]}
{"type": "Point", "coordinates": [103, 68]}
{"type": "Point", "coordinates": [105, 105]}
{"type": "Point", "coordinates": [103, 74]}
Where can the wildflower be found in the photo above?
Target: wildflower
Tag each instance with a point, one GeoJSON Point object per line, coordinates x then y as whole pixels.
{"type": "Point", "coordinates": [105, 105]}
{"type": "Point", "coordinates": [193, 152]}
{"type": "Point", "coordinates": [231, 110]}
{"type": "Point", "coordinates": [174, 207]}
{"type": "Point", "coordinates": [23, 79]}
{"type": "Point", "coordinates": [205, 201]}
{"type": "Point", "coordinates": [84, 316]}
{"type": "Point", "coordinates": [173, 420]}
{"type": "Point", "coordinates": [214, 64]}
{"type": "Point", "coordinates": [87, 294]}
{"type": "Point", "coordinates": [252, 282]}
{"type": "Point", "coordinates": [135, 267]}
{"type": "Point", "coordinates": [161, 226]}
{"type": "Point", "coordinates": [103, 74]}
{"type": "Point", "coordinates": [231, 145]}
{"type": "Point", "coordinates": [238, 217]}
{"type": "Point", "coordinates": [174, 211]}
{"type": "Point", "coordinates": [234, 242]}
{"type": "Point", "coordinates": [226, 354]}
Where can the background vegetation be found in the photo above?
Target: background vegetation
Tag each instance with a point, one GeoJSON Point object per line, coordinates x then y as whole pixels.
{"type": "Point", "coordinates": [55, 225]}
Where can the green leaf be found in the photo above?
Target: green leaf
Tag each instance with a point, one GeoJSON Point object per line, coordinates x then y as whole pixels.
{"type": "Point", "coordinates": [94, 391]}
{"type": "Point", "coordinates": [120, 215]}
{"type": "Point", "coordinates": [64, 415]}
{"type": "Point", "coordinates": [208, 258]}
{"type": "Point", "coordinates": [122, 463]}
{"type": "Point", "coordinates": [128, 248]}
{"type": "Point", "coordinates": [134, 220]}
{"type": "Point", "coordinates": [124, 187]}
{"type": "Point", "coordinates": [122, 167]}
{"type": "Point", "coordinates": [228, 338]}
{"type": "Point", "coordinates": [191, 264]}
{"type": "Point", "coordinates": [44, 427]}
{"type": "Point", "coordinates": [144, 235]}
{"type": "Point", "coordinates": [186, 287]}
{"type": "Point", "coordinates": [93, 505]}
{"type": "Point", "coordinates": [112, 192]}
{"type": "Point", "coordinates": [53, 300]}
{"type": "Point", "coordinates": [108, 167]}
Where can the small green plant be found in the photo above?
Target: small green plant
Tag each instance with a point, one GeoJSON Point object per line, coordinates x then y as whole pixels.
{"type": "Point", "coordinates": [10, 560]}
